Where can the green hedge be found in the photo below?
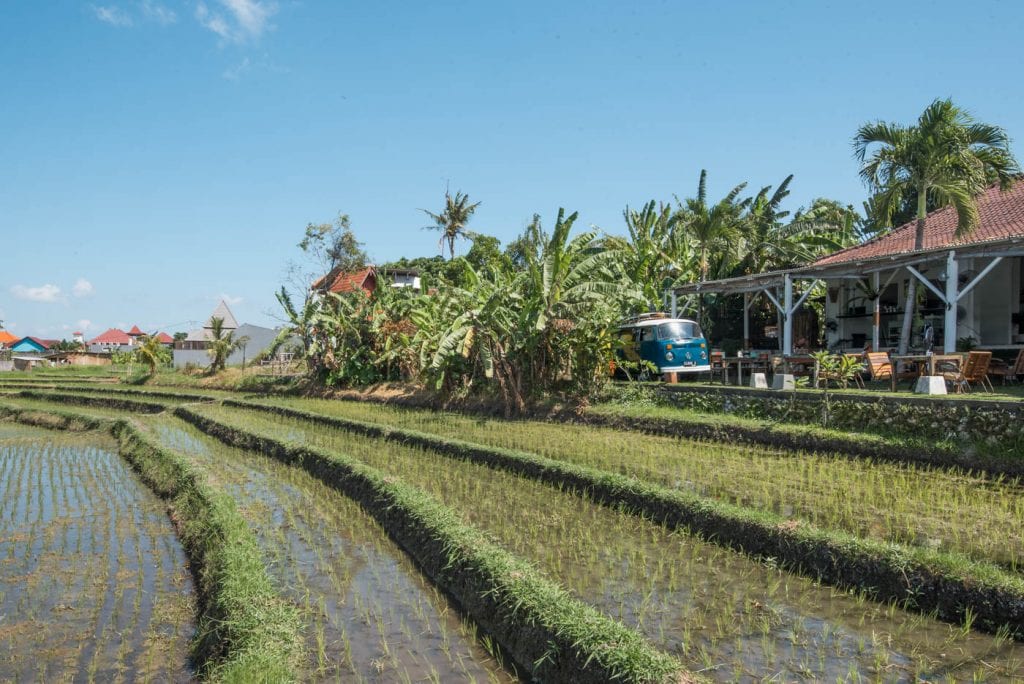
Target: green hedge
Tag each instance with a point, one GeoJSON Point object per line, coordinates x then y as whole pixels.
{"type": "Point", "coordinates": [996, 426]}
{"type": "Point", "coordinates": [551, 635]}
{"type": "Point", "coordinates": [918, 578]}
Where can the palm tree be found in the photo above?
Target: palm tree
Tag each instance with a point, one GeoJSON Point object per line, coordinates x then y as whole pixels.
{"type": "Point", "coordinates": [222, 345]}
{"type": "Point", "coordinates": [945, 159]}
{"type": "Point", "coordinates": [452, 221]}
{"type": "Point", "coordinates": [152, 352]}
{"type": "Point", "coordinates": [714, 228]}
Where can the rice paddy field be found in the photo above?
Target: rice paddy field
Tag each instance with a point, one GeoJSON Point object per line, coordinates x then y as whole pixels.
{"type": "Point", "coordinates": [93, 581]}
{"type": "Point", "coordinates": [720, 612]}
{"type": "Point", "coordinates": [982, 517]}
{"type": "Point", "coordinates": [370, 614]}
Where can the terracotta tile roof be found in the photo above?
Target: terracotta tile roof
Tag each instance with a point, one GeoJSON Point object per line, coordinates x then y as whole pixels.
{"type": "Point", "coordinates": [7, 338]}
{"type": "Point", "coordinates": [164, 338]}
{"type": "Point", "coordinates": [348, 281]}
{"type": "Point", "coordinates": [112, 336]}
{"type": "Point", "coordinates": [135, 332]}
{"type": "Point", "coordinates": [1001, 214]}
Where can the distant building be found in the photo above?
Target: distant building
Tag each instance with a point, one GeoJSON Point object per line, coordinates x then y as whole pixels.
{"type": "Point", "coordinates": [32, 345]}
{"type": "Point", "coordinates": [365, 279]}
{"type": "Point", "coordinates": [118, 340]}
{"type": "Point", "coordinates": [6, 339]}
{"type": "Point", "coordinates": [193, 349]}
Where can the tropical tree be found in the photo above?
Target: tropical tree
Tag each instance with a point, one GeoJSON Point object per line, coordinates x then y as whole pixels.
{"type": "Point", "coordinates": [715, 229]}
{"type": "Point", "coordinates": [945, 159]}
{"type": "Point", "coordinates": [653, 258]}
{"type": "Point", "coordinates": [222, 344]}
{"type": "Point", "coordinates": [152, 353]}
{"type": "Point", "coordinates": [451, 222]}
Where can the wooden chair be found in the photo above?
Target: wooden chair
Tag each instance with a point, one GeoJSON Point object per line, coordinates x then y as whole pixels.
{"type": "Point", "coordinates": [1008, 371]}
{"type": "Point", "coordinates": [974, 369]}
{"type": "Point", "coordinates": [879, 366]}
{"type": "Point", "coordinates": [717, 366]}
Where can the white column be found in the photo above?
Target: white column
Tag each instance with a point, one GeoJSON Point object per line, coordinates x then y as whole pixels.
{"type": "Point", "coordinates": [674, 308]}
{"type": "Point", "coordinates": [787, 315]}
{"type": "Point", "coordinates": [952, 282]}
{"type": "Point", "coordinates": [877, 320]}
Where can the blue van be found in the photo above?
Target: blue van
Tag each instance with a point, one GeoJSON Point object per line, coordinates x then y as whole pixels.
{"type": "Point", "coordinates": [674, 345]}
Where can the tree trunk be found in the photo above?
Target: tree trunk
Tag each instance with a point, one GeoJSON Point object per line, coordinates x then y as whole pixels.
{"type": "Point", "coordinates": [911, 302]}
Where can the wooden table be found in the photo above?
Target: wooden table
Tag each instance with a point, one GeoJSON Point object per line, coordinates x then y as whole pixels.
{"type": "Point", "coordinates": [751, 362]}
{"type": "Point", "coordinates": [929, 360]}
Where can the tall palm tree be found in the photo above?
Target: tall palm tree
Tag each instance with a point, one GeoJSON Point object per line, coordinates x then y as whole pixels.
{"type": "Point", "coordinates": [715, 228]}
{"type": "Point", "coordinates": [945, 159]}
{"type": "Point", "coordinates": [452, 220]}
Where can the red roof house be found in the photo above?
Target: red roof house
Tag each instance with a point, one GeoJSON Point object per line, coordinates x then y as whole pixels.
{"type": "Point", "coordinates": [972, 285]}
{"type": "Point", "coordinates": [164, 338]}
{"type": "Point", "coordinates": [343, 282]}
{"type": "Point", "coordinates": [1001, 214]}
{"type": "Point", "coordinates": [112, 337]}
{"type": "Point", "coordinates": [135, 332]}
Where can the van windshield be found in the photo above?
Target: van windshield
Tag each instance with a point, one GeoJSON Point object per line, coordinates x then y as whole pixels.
{"type": "Point", "coordinates": [679, 330]}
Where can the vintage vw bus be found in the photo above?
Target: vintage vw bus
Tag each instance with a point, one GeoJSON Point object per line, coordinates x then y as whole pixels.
{"type": "Point", "coordinates": [674, 345]}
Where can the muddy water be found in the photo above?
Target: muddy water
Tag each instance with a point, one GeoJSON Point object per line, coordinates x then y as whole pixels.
{"type": "Point", "coordinates": [93, 581]}
{"type": "Point", "coordinates": [731, 617]}
{"type": "Point", "coordinates": [370, 616]}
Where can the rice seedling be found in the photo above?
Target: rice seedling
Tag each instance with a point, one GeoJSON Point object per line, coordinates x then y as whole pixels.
{"type": "Point", "coordinates": [87, 556]}
{"type": "Point", "coordinates": [51, 405]}
{"type": "Point", "coordinates": [743, 619]}
{"type": "Point", "coordinates": [368, 611]}
{"type": "Point", "coordinates": [981, 517]}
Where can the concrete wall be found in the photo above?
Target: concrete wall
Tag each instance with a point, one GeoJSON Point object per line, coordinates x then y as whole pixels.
{"type": "Point", "coordinates": [259, 339]}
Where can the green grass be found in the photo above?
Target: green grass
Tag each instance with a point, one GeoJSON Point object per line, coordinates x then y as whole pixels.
{"type": "Point", "coordinates": [952, 510]}
{"type": "Point", "coordinates": [686, 595]}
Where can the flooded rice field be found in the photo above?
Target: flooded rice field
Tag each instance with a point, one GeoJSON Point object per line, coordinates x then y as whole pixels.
{"type": "Point", "coordinates": [369, 613]}
{"type": "Point", "coordinates": [94, 584]}
{"type": "Point", "coordinates": [723, 614]}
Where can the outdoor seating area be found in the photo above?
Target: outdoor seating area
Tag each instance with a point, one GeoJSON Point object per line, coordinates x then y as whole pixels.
{"type": "Point", "coordinates": [961, 373]}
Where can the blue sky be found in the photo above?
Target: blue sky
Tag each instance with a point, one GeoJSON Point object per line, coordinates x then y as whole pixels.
{"type": "Point", "coordinates": [156, 155]}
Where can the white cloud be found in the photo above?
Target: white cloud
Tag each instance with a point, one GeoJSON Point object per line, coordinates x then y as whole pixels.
{"type": "Point", "coordinates": [84, 324]}
{"type": "Point", "coordinates": [229, 300]}
{"type": "Point", "coordinates": [158, 13]}
{"type": "Point", "coordinates": [113, 15]}
{"type": "Point", "coordinates": [237, 21]}
{"type": "Point", "coordinates": [82, 288]}
{"type": "Point", "coordinates": [44, 293]}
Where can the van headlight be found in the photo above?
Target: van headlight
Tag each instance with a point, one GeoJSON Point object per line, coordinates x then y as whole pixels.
{"type": "Point", "coordinates": [703, 355]}
{"type": "Point", "coordinates": [669, 356]}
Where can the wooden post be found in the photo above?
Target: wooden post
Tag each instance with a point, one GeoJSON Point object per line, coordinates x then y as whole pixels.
{"type": "Point", "coordinates": [877, 321]}
{"type": "Point", "coordinates": [746, 320]}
